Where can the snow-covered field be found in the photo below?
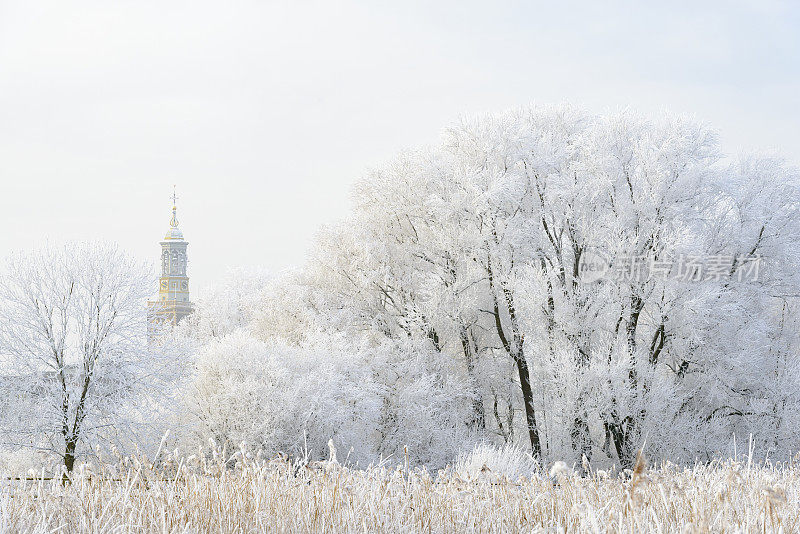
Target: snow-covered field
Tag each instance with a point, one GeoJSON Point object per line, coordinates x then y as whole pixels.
{"type": "Point", "coordinates": [279, 496]}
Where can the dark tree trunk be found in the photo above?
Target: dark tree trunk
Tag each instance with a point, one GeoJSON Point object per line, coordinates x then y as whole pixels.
{"type": "Point", "coordinates": [507, 429]}
{"type": "Point", "coordinates": [637, 304]}
{"type": "Point", "coordinates": [469, 357]}
{"type": "Point", "coordinates": [581, 442]}
{"type": "Point", "coordinates": [530, 411]}
{"type": "Point", "coordinates": [69, 460]}
{"type": "Point", "coordinates": [69, 455]}
{"type": "Point", "coordinates": [621, 435]}
{"type": "Point", "coordinates": [579, 434]}
{"type": "Point", "coordinates": [515, 348]}
{"type": "Point", "coordinates": [625, 433]}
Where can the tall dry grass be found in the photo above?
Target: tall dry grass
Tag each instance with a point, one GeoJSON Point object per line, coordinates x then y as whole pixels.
{"type": "Point", "coordinates": [254, 495]}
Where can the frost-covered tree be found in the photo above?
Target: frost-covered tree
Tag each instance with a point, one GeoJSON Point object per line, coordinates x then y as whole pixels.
{"type": "Point", "coordinates": [78, 369]}
{"type": "Point", "coordinates": [457, 302]}
{"type": "Point", "coordinates": [227, 306]}
{"type": "Point", "coordinates": [476, 246]}
{"type": "Point", "coordinates": [372, 400]}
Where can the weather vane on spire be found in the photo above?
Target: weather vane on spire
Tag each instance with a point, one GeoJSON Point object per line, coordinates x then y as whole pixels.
{"type": "Point", "coordinates": [174, 196]}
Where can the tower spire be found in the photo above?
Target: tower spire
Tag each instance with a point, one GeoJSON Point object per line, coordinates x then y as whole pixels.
{"type": "Point", "coordinates": [174, 221]}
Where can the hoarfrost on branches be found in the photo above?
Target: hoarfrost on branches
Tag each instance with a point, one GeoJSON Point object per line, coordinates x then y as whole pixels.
{"type": "Point", "coordinates": [79, 372]}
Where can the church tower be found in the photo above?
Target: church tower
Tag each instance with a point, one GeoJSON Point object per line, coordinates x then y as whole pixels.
{"type": "Point", "coordinates": [173, 302]}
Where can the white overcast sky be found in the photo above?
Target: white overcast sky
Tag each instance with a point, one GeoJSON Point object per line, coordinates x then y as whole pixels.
{"type": "Point", "coordinates": [265, 112]}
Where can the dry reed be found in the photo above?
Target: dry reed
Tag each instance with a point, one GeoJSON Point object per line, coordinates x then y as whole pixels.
{"type": "Point", "coordinates": [253, 495]}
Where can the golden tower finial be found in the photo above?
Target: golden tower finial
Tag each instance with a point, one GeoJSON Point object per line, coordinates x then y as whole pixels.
{"type": "Point", "coordinates": [174, 221]}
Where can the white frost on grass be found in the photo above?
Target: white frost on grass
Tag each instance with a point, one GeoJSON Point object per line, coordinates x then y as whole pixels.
{"type": "Point", "coordinates": [488, 462]}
